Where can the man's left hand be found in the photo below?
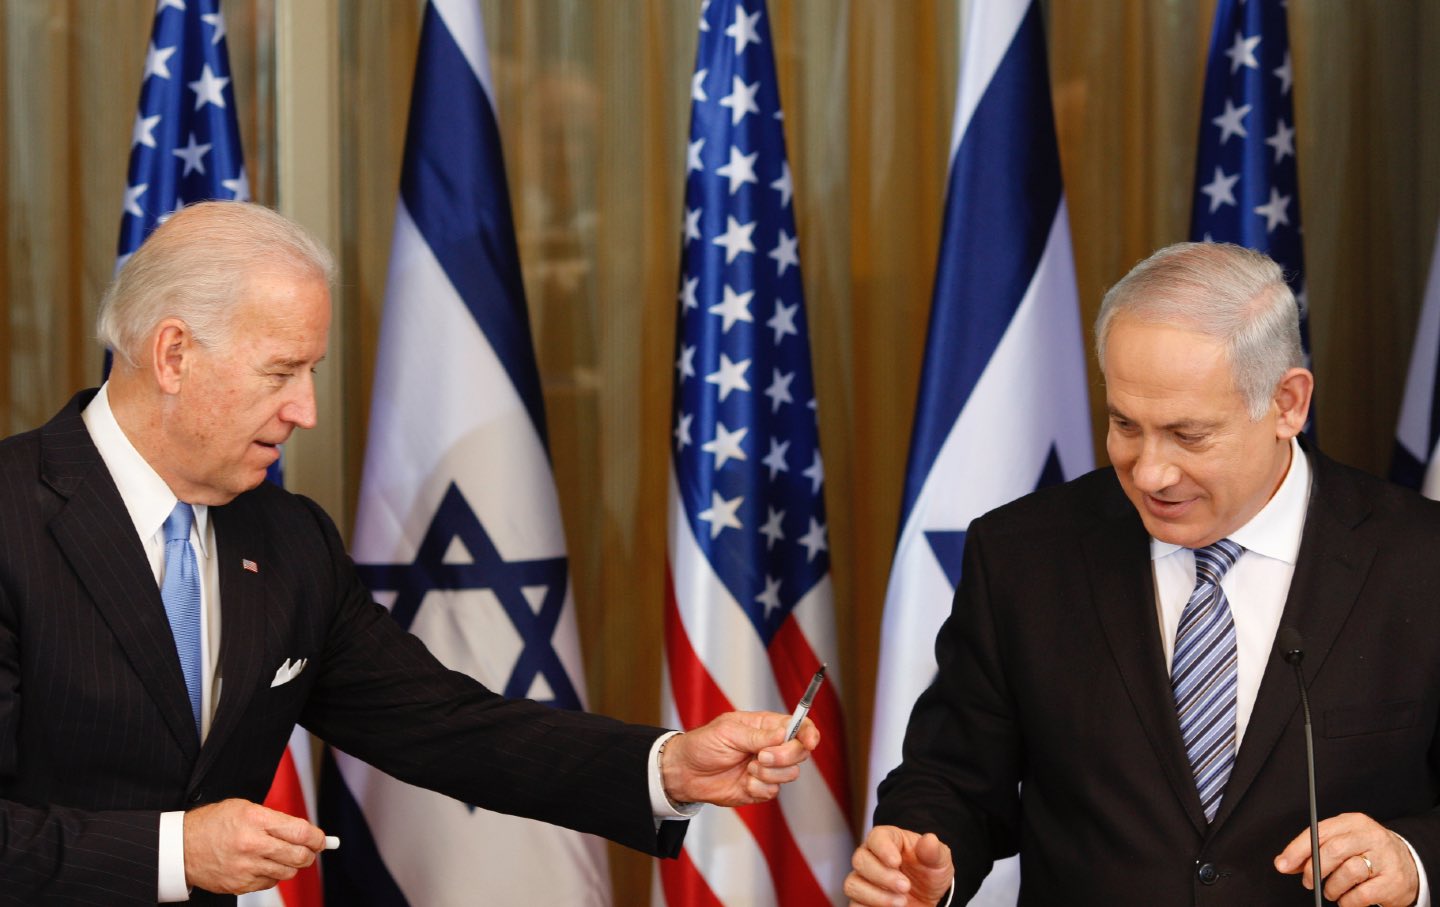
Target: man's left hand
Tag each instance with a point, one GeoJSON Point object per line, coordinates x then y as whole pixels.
{"type": "Point", "coordinates": [1347, 842]}
{"type": "Point", "coordinates": [737, 759]}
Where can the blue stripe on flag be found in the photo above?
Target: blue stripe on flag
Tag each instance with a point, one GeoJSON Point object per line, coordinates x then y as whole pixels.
{"type": "Point", "coordinates": [453, 166]}
{"type": "Point", "coordinates": [355, 874]}
{"type": "Point", "coordinates": [1003, 194]}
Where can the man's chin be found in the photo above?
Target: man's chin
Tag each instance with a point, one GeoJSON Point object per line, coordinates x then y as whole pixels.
{"type": "Point", "coordinates": [1183, 534]}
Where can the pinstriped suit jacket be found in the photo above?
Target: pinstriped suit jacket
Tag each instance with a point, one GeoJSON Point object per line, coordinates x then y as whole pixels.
{"type": "Point", "coordinates": [96, 737]}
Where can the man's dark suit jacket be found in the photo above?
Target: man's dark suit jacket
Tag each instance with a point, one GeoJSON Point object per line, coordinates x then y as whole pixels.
{"type": "Point", "coordinates": [96, 734]}
{"type": "Point", "coordinates": [1051, 726]}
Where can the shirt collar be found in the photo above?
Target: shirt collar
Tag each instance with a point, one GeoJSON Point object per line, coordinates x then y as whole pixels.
{"type": "Point", "coordinates": [1275, 531]}
{"type": "Point", "coordinates": [147, 498]}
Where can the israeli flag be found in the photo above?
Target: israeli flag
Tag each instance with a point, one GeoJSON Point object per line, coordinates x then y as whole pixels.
{"type": "Point", "coordinates": [1003, 408]}
{"type": "Point", "coordinates": [458, 529]}
{"type": "Point", "coordinates": [1415, 464]}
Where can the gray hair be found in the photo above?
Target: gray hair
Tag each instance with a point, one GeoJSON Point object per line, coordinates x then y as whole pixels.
{"type": "Point", "coordinates": [1234, 295]}
{"type": "Point", "coordinates": [195, 267]}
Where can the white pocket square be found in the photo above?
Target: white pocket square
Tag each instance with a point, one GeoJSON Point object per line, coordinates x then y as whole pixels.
{"type": "Point", "coordinates": [289, 671]}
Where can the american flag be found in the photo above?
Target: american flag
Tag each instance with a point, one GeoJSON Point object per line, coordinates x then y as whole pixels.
{"type": "Point", "coordinates": [185, 147]}
{"type": "Point", "coordinates": [1247, 187]}
{"type": "Point", "coordinates": [749, 616]}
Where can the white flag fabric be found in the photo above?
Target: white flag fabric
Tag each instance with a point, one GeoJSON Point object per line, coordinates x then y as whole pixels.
{"type": "Point", "coordinates": [1415, 463]}
{"type": "Point", "coordinates": [1003, 408]}
{"type": "Point", "coordinates": [458, 529]}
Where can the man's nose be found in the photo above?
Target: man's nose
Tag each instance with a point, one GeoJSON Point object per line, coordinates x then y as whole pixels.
{"type": "Point", "coordinates": [300, 409]}
{"type": "Point", "coordinates": [1154, 469]}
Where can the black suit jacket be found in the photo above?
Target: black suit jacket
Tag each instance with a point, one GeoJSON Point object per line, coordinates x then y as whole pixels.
{"type": "Point", "coordinates": [1051, 727]}
{"type": "Point", "coordinates": [96, 736]}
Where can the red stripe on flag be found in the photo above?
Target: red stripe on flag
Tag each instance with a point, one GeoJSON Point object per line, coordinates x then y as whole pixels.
{"type": "Point", "coordinates": [286, 796]}
{"type": "Point", "coordinates": [683, 885]}
{"type": "Point", "coordinates": [790, 873]}
{"type": "Point", "coordinates": [697, 697]}
{"type": "Point", "coordinates": [794, 663]}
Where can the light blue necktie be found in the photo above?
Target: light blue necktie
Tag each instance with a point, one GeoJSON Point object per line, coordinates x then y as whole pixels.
{"type": "Point", "coordinates": [1202, 675]}
{"type": "Point", "coordinates": [180, 592]}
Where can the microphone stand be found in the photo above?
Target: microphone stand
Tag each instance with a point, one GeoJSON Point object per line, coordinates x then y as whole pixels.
{"type": "Point", "coordinates": [1292, 650]}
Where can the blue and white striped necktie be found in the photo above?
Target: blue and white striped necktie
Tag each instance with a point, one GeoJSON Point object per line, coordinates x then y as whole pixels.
{"type": "Point", "coordinates": [180, 591]}
{"type": "Point", "coordinates": [1203, 676]}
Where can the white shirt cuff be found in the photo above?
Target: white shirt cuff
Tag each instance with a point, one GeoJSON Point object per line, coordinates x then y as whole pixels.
{"type": "Point", "coordinates": [172, 887]}
{"type": "Point", "coordinates": [660, 805]}
{"type": "Point", "coordinates": [1423, 888]}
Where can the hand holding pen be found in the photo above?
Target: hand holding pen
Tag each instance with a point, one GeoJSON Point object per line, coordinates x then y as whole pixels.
{"type": "Point", "coordinates": [738, 758]}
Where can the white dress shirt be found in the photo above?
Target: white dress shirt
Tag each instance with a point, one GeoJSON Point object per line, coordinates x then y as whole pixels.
{"type": "Point", "coordinates": [149, 501]}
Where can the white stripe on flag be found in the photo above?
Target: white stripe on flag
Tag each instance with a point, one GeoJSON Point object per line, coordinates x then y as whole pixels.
{"type": "Point", "coordinates": [990, 457]}
{"type": "Point", "coordinates": [434, 359]}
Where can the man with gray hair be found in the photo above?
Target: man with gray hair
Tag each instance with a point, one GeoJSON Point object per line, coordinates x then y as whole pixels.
{"type": "Point", "coordinates": [167, 617]}
{"type": "Point", "coordinates": [1107, 702]}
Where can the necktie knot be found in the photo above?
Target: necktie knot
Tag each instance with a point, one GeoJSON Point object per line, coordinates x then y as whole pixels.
{"type": "Point", "coordinates": [178, 523]}
{"type": "Point", "coordinates": [1213, 561]}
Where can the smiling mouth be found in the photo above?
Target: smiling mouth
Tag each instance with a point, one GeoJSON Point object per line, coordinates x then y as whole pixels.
{"type": "Point", "coordinates": [1163, 508]}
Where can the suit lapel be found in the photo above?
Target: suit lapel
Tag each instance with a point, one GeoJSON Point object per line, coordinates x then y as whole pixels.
{"type": "Point", "coordinates": [97, 537]}
{"type": "Point", "coordinates": [1117, 555]}
{"type": "Point", "coordinates": [243, 650]}
{"type": "Point", "coordinates": [1329, 573]}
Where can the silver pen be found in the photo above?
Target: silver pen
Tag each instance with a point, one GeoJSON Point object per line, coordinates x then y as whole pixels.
{"type": "Point", "coordinates": [803, 708]}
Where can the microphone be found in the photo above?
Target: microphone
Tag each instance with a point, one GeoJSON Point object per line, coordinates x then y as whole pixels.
{"type": "Point", "coordinates": [1292, 648]}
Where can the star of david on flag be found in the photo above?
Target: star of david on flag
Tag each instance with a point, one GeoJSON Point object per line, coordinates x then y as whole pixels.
{"type": "Point", "coordinates": [749, 614]}
{"type": "Point", "coordinates": [531, 593]}
{"type": "Point", "coordinates": [1002, 408]}
{"type": "Point", "coordinates": [1247, 184]}
{"type": "Point", "coordinates": [458, 529]}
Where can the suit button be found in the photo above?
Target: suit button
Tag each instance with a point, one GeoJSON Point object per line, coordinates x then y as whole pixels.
{"type": "Point", "coordinates": [196, 797]}
{"type": "Point", "coordinates": [1208, 874]}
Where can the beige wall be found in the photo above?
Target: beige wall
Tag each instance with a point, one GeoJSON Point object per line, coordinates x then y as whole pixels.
{"type": "Point", "coordinates": [593, 109]}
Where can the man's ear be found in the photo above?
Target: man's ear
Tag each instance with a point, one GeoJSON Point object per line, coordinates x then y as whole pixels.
{"type": "Point", "coordinates": [171, 346]}
{"type": "Point", "coordinates": [1292, 402]}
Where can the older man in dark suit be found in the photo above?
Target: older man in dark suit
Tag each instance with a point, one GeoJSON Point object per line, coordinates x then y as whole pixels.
{"type": "Point", "coordinates": [1107, 703]}
{"type": "Point", "coordinates": [166, 617]}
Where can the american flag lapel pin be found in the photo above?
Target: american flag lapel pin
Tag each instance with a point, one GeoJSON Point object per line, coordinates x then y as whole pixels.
{"type": "Point", "coordinates": [249, 565]}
